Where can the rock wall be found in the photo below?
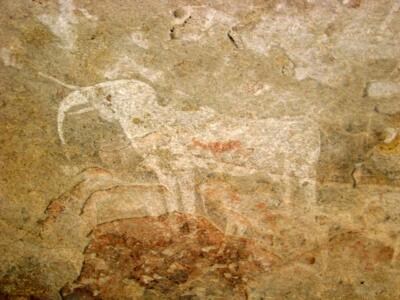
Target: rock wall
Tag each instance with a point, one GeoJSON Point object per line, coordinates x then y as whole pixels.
{"type": "Point", "coordinates": [171, 149]}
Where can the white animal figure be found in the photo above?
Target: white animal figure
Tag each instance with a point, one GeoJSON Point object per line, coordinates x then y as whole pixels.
{"type": "Point", "coordinates": [285, 148]}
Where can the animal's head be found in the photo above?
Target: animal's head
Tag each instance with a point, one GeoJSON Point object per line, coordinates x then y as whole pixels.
{"type": "Point", "coordinates": [129, 102]}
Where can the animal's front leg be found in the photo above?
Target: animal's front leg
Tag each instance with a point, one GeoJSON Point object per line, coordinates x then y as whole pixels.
{"type": "Point", "coordinates": [166, 179]}
{"type": "Point", "coordinates": [186, 181]}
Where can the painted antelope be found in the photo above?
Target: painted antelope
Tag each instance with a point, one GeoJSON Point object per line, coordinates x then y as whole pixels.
{"type": "Point", "coordinates": [284, 148]}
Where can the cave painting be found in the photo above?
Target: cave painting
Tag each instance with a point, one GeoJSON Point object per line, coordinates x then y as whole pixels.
{"type": "Point", "coordinates": [284, 148]}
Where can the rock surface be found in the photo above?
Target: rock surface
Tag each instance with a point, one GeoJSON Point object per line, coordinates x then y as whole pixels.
{"type": "Point", "coordinates": [200, 149]}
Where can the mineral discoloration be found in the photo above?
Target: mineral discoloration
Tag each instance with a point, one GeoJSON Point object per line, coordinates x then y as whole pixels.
{"type": "Point", "coordinates": [62, 25]}
{"type": "Point", "coordinates": [189, 250]}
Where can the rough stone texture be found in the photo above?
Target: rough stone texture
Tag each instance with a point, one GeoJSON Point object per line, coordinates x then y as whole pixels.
{"type": "Point", "coordinates": [200, 149]}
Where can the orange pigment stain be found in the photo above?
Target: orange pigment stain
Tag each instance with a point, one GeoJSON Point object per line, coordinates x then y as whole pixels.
{"type": "Point", "coordinates": [217, 193]}
{"type": "Point", "coordinates": [234, 197]}
{"type": "Point", "coordinates": [217, 147]}
{"type": "Point", "coordinates": [261, 205]}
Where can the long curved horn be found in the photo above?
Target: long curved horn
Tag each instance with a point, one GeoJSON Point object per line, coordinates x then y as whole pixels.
{"type": "Point", "coordinates": [74, 99]}
{"type": "Point", "coordinates": [51, 78]}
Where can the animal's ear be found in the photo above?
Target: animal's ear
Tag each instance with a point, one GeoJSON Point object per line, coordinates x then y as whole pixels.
{"type": "Point", "coordinates": [104, 101]}
{"type": "Point", "coordinates": [134, 131]}
{"type": "Point", "coordinates": [73, 99]}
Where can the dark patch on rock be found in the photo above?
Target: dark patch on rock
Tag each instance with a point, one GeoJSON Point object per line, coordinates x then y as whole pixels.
{"type": "Point", "coordinates": [165, 254]}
